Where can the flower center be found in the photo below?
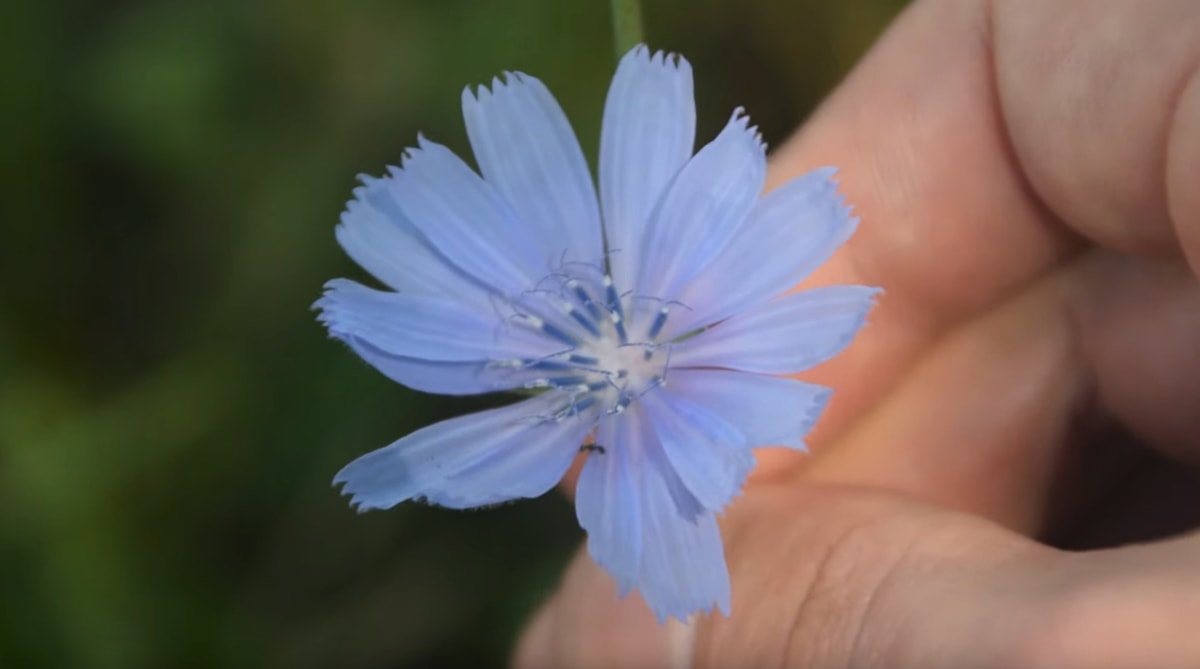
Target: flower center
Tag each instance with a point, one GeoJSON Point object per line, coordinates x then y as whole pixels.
{"type": "Point", "coordinates": [611, 351]}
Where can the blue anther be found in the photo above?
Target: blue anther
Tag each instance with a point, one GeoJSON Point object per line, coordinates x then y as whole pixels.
{"type": "Point", "coordinates": [619, 324]}
{"type": "Point", "coordinates": [559, 334]}
{"type": "Point", "coordinates": [586, 360]}
{"type": "Point", "coordinates": [587, 323]}
{"type": "Point", "coordinates": [585, 403]}
{"type": "Point", "coordinates": [568, 381]}
{"type": "Point", "coordinates": [614, 308]}
{"type": "Point", "coordinates": [659, 321]}
{"type": "Point", "coordinates": [549, 365]}
{"type": "Point", "coordinates": [610, 294]}
{"type": "Point", "coordinates": [587, 300]}
{"type": "Point", "coordinates": [622, 402]}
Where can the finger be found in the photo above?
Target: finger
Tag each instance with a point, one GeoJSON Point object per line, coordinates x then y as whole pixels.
{"type": "Point", "coordinates": [807, 563]}
{"type": "Point", "coordinates": [994, 416]}
{"type": "Point", "coordinates": [836, 577]}
{"type": "Point", "coordinates": [949, 227]}
{"type": "Point", "coordinates": [984, 423]}
{"type": "Point", "coordinates": [841, 577]}
{"type": "Point", "coordinates": [1113, 168]}
{"type": "Point", "coordinates": [1138, 323]}
{"type": "Point", "coordinates": [1103, 110]}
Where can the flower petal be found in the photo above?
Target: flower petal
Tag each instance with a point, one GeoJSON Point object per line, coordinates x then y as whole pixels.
{"type": "Point", "coordinates": [789, 233]}
{"type": "Point", "coordinates": [709, 455]}
{"type": "Point", "coordinates": [416, 326]}
{"type": "Point", "coordinates": [381, 239]}
{"type": "Point", "coordinates": [464, 218]}
{"type": "Point", "coordinates": [607, 503]}
{"type": "Point", "coordinates": [442, 378]}
{"type": "Point", "coordinates": [648, 134]}
{"type": "Point", "coordinates": [528, 152]}
{"type": "Point", "coordinates": [702, 209]}
{"type": "Point", "coordinates": [683, 562]}
{"type": "Point", "coordinates": [643, 525]}
{"type": "Point", "coordinates": [427, 462]}
{"type": "Point", "coordinates": [787, 335]}
{"type": "Point", "coordinates": [769, 410]}
{"type": "Point", "coordinates": [652, 456]}
{"type": "Point", "coordinates": [527, 465]}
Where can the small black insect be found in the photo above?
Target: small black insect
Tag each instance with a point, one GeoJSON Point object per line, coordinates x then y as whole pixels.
{"type": "Point", "coordinates": [592, 448]}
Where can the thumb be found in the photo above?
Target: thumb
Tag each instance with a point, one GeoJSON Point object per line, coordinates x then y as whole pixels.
{"type": "Point", "coordinates": [845, 577]}
{"type": "Point", "coordinates": [833, 576]}
{"type": "Point", "coordinates": [823, 576]}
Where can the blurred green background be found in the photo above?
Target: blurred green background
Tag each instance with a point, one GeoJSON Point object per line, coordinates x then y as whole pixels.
{"type": "Point", "coordinates": [170, 412]}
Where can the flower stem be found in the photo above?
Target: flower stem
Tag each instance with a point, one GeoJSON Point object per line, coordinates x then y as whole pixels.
{"type": "Point", "coordinates": [627, 25]}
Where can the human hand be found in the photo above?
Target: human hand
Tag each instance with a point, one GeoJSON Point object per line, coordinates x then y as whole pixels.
{"type": "Point", "coordinates": [1028, 177]}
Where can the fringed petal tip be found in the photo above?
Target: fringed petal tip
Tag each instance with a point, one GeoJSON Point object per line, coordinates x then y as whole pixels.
{"type": "Point", "coordinates": [527, 152]}
{"type": "Point", "coordinates": [408, 153]}
{"type": "Point", "coordinates": [358, 503]}
{"type": "Point", "coordinates": [659, 58]}
{"type": "Point", "coordinates": [367, 183]}
{"type": "Point", "coordinates": [354, 481]}
{"type": "Point", "coordinates": [327, 306]}
{"type": "Point", "coordinates": [325, 316]}
{"type": "Point", "coordinates": [740, 119]}
{"type": "Point", "coordinates": [871, 294]}
{"type": "Point", "coordinates": [480, 93]}
{"type": "Point", "coordinates": [811, 415]}
{"type": "Point", "coordinates": [814, 411]}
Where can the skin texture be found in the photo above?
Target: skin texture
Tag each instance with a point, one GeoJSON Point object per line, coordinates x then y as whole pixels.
{"type": "Point", "coordinates": [1013, 433]}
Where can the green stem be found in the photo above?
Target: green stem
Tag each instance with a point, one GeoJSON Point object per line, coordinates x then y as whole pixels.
{"type": "Point", "coordinates": [627, 25]}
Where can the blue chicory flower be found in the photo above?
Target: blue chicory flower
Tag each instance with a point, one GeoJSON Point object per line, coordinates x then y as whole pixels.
{"type": "Point", "coordinates": [653, 319]}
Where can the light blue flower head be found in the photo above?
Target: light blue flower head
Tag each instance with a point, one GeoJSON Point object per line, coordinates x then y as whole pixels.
{"type": "Point", "coordinates": [652, 319]}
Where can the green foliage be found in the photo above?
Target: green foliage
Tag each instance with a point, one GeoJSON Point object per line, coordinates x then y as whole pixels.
{"type": "Point", "coordinates": [170, 412]}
